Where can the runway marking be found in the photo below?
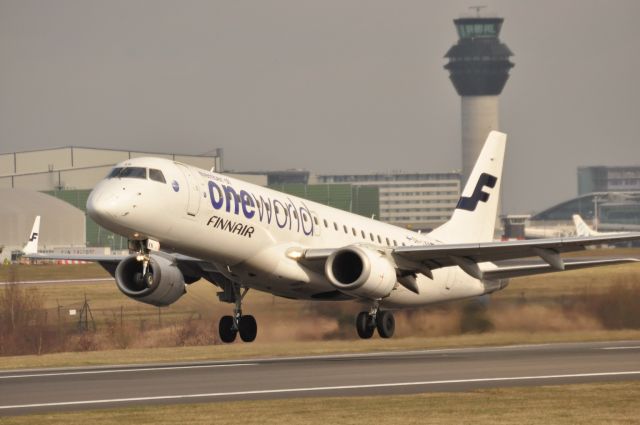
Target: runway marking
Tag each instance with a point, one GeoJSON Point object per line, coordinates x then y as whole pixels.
{"type": "Point", "coordinates": [139, 369]}
{"type": "Point", "coordinates": [317, 389]}
{"type": "Point", "coordinates": [637, 347]}
{"type": "Point", "coordinates": [93, 279]}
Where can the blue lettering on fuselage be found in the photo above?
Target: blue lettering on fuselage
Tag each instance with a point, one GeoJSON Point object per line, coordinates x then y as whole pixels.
{"type": "Point", "coordinates": [285, 214]}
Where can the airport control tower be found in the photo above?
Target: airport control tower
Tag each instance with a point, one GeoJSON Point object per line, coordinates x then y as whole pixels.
{"type": "Point", "coordinates": [479, 68]}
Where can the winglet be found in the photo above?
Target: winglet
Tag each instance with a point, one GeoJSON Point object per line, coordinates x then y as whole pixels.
{"type": "Point", "coordinates": [32, 244]}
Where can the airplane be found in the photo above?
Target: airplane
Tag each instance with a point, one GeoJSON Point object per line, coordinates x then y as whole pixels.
{"type": "Point", "coordinates": [582, 229]}
{"type": "Point", "coordinates": [185, 224]}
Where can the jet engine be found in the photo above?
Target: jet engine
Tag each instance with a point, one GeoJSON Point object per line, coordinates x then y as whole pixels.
{"type": "Point", "coordinates": [162, 283]}
{"type": "Point", "coordinates": [361, 272]}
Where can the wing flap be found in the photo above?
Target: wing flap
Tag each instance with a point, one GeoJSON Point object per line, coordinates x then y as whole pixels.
{"type": "Point", "coordinates": [533, 269]}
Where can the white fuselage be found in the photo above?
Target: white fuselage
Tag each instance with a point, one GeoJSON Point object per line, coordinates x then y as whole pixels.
{"type": "Point", "coordinates": [246, 231]}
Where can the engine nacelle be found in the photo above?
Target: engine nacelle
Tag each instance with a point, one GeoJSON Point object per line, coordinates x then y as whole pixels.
{"type": "Point", "coordinates": [361, 272]}
{"type": "Point", "coordinates": [162, 285]}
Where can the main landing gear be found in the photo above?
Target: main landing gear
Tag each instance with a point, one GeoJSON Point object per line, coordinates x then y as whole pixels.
{"type": "Point", "coordinates": [230, 326]}
{"type": "Point", "coordinates": [368, 321]}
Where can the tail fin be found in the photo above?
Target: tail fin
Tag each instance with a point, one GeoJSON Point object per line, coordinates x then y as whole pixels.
{"type": "Point", "coordinates": [581, 227]}
{"type": "Point", "coordinates": [32, 244]}
{"type": "Point", "coordinates": [474, 218]}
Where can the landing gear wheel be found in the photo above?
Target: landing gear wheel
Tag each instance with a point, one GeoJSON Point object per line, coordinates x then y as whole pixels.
{"type": "Point", "coordinates": [248, 328]}
{"type": "Point", "coordinates": [364, 325]}
{"type": "Point", "coordinates": [385, 323]}
{"type": "Point", "coordinates": [226, 329]}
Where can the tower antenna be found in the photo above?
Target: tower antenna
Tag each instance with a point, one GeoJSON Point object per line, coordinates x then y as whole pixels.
{"type": "Point", "coordinates": [477, 9]}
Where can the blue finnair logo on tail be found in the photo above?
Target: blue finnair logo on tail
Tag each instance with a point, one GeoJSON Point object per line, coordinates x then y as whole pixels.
{"type": "Point", "coordinates": [33, 237]}
{"type": "Point", "coordinates": [478, 194]}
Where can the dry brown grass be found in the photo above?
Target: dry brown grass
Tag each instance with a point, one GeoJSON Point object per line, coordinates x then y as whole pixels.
{"type": "Point", "coordinates": [583, 301]}
{"type": "Point", "coordinates": [51, 271]}
{"type": "Point", "coordinates": [596, 403]}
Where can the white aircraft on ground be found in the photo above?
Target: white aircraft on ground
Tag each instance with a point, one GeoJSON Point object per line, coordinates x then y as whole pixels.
{"type": "Point", "coordinates": [241, 236]}
{"type": "Point", "coordinates": [582, 229]}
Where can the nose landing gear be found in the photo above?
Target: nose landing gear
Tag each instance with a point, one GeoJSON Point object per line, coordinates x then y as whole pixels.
{"type": "Point", "coordinates": [245, 325]}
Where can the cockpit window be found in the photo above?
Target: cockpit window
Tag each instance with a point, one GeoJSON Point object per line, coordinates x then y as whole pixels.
{"type": "Point", "coordinates": [135, 172]}
{"type": "Point", "coordinates": [156, 175]}
{"type": "Point", "coordinates": [114, 173]}
{"type": "Point", "coordinates": [132, 172]}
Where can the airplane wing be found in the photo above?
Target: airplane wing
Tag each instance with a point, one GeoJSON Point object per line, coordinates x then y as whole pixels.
{"type": "Point", "coordinates": [192, 268]}
{"type": "Point", "coordinates": [469, 256]}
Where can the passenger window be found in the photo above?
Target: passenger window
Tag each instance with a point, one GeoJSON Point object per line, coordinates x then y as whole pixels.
{"type": "Point", "coordinates": [326, 225]}
{"type": "Point", "coordinates": [363, 235]}
{"type": "Point", "coordinates": [353, 230]}
{"type": "Point", "coordinates": [335, 225]}
{"type": "Point", "coordinates": [371, 236]}
{"type": "Point", "coordinates": [379, 240]}
{"type": "Point", "coordinates": [315, 220]}
{"type": "Point", "coordinates": [404, 244]}
{"type": "Point", "coordinates": [387, 239]}
{"type": "Point", "coordinates": [345, 229]}
{"type": "Point", "coordinates": [295, 214]}
{"type": "Point", "coordinates": [156, 175]}
{"type": "Point", "coordinates": [395, 243]}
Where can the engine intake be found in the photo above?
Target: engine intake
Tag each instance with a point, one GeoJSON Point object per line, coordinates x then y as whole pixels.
{"type": "Point", "coordinates": [361, 272]}
{"type": "Point", "coordinates": [163, 284]}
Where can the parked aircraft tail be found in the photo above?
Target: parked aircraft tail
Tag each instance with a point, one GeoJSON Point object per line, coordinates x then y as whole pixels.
{"type": "Point", "coordinates": [32, 244]}
{"type": "Point", "coordinates": [475, 216]}
{"type": "Point", "coordinates": [581, 227]}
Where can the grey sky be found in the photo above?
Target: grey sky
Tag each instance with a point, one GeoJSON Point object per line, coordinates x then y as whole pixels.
{"type": "Point", "coordinates": [326, 85]}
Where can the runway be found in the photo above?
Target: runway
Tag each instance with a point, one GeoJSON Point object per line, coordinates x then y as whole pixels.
{"type": "Point", "coordinates": [28, 391]}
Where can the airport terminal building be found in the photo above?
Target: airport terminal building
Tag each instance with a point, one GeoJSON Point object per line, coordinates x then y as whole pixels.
{"type": "Point", "coordinates": [608, 199]}
{"type": "Point", "coordinates": [419, 201]}
{"type": "Point", "coordinates": [608, 179]}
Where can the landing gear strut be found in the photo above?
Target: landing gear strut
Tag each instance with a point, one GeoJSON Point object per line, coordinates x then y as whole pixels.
{"type": "Point", "coordinates": [145, 277]}
{"type": "Point", "coordinates": [230, 326]}
{"type": "Point", "coordinates": [368, 321]}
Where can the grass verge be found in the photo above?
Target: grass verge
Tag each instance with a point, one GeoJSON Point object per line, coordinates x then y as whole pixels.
{"type": "Point", "coordinates": [595, 403]}
{"type": "Point", "coordinates": [299, 348]}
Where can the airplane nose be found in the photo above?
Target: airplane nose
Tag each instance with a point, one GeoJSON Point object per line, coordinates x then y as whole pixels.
{"type": "Point", "coordinates": [101, 206]}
